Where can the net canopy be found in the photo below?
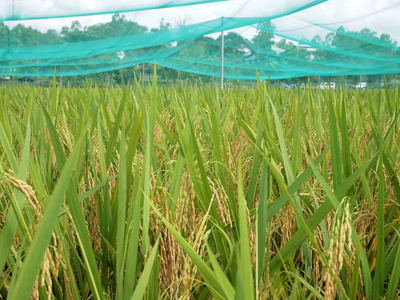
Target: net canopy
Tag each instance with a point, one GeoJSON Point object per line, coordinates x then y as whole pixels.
{"type": "Point", "coordinates": [280, 39]}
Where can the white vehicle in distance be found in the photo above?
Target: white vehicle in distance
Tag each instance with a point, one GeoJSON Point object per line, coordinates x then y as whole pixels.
{"type": "Point", "coordinates": [326, 85]}
{"type": "Point", "coordinates": [361, 86]}
{"type": "Point", "coordinates": [4, 78]}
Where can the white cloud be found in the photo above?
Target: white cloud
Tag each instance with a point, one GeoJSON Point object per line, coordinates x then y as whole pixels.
{"type": "Point", "coordinates": [380, 16]}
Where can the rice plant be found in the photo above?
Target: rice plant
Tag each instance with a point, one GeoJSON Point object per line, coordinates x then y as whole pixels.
{"type": "Point", "coordinates": [197, 193]}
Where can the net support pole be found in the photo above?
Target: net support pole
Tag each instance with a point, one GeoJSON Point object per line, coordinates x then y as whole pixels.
{"type": "Point", "coordinates": [143, 76]}
{"type": "Point", "coordinates": [222, 60]}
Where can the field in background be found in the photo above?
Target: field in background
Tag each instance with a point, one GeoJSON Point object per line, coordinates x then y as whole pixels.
{"type": "Point", "coordinates": [118, 193]}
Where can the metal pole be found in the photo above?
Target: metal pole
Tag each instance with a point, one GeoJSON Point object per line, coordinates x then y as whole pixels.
{"type": "Point", "coordinates": [143, 76]}
{"type": "Point", "coordinates": [222, 60]}
{"type": "Point", "coordinates": [61, 73]}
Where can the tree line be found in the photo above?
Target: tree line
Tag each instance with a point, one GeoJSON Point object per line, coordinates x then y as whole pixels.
{"type": "Point", "coordinates": [199, 57]}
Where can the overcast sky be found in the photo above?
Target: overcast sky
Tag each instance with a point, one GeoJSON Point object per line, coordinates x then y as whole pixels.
{"type": "Point", "coordinates": [378, 15]}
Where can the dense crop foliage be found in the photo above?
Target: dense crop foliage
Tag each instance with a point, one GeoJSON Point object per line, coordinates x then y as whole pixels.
{"type": "Point", "coordinates": [199, 193]}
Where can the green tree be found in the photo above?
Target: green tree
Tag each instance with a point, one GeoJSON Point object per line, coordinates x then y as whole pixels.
{"type": "Point", "coordinates": [264, 39]}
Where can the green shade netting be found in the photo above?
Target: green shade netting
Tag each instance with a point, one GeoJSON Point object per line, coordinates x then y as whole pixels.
{"type": "Point", "coordinates": [278, 40]}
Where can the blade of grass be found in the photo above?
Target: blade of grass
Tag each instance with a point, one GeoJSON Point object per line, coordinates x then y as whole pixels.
{"type": "Point", "coordinates": [262, 222]}
{"type": "Point", "coordinates": [355, 276]}
{"type": "Point", "coordinates": [300, 235]}
{"type": "Point", "coordinates": [144, 278]}
{"type": "Point", "coordinates": [10, 226]}
{"type": "Point", "coordinates": [208, 275]}
{"type": "Point", "coordinates": [335, 146]}
{"type": "Point", "coordinates": [122, 193]}
{"type": "Point", "coordinates": [379, 274]}
{"type": "Point", "coordinates": [245, 256]}
{"type": "Point", "coordinates": [393, 286]}
{"type": "Point", "coordinates": [227, 287]}
{"type": "Point", "coordinates": [22, 287]}
{"type": "Point", "coordinates": [78, 218]}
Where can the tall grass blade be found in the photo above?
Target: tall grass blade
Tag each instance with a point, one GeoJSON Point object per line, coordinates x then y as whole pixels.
{"type": "Point", "coordinates": [245, 256]}
{"type": "Point", "coordinates": [26, 277]}
{"type": "Point", "coordinates": [144, 279]}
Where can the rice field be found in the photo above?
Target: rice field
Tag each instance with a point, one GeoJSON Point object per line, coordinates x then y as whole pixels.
{"type": "Point", "coordinates": [197, 193]}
